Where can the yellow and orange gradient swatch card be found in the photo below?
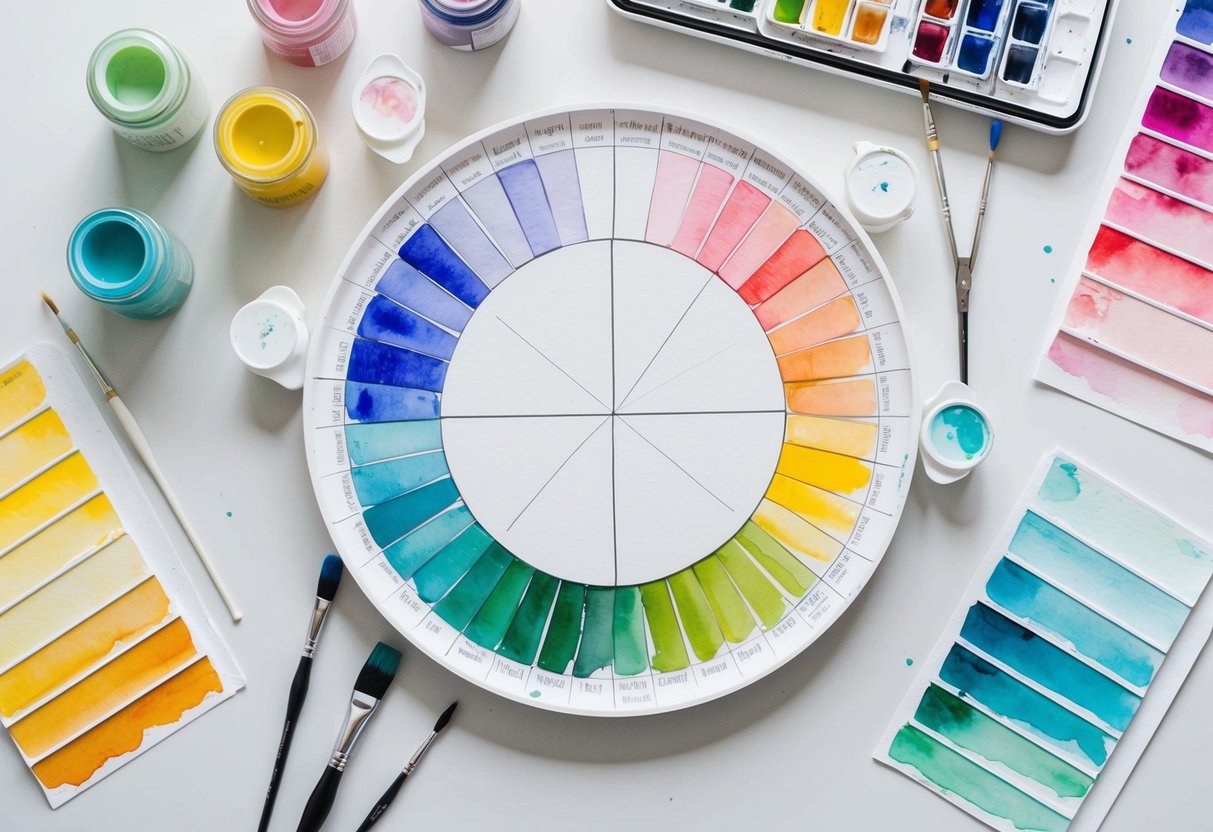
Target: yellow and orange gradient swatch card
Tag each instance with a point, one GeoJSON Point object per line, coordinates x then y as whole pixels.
{"type": "Point", "coordinates": [104, 647]}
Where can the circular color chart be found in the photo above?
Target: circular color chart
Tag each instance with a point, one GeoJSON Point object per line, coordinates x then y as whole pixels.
{"type": "Point", "coordinates": [610, 411]}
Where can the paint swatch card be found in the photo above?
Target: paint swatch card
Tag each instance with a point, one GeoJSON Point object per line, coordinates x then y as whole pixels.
{"type": "Point", "coordinates": [1136, 333]}
{"type": "Point", "coordinates": [104, 647]}
{"type": "Point", "coordinates": [1061, 659]}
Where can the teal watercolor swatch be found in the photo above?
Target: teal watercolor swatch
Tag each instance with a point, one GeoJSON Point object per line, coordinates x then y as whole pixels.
{"type": "Point", "coordinates": [521, 641]}
{"type": "Point", "coordinates": [493, 618]}
{"type": "Point", "coordinates": [381, 481]}
{"type": "Point", "coordinates": [441, 572]}
{"type": "Point", "coordinates": [597, 648]}
{"type": "Point", "coordinates": [372, 442]}
{"type": "Point", "coordinates": [390, 521]}
{"type": "Point", "coordinates": [414, 550]}
{"type": "Point", "coordinates": [467, 596]}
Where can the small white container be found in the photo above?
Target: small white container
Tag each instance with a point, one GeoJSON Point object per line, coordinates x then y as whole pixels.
{"type": "Point", "coordinates": [389, 108]}
{"type": "Point", "coordinates": [270, 336]}
{"type": "Point", "coordinates": [469, 25]}
{"type": "Point", "coordinates": [881, 186]}
{"type": "Point", "coordinates": [956, 435]}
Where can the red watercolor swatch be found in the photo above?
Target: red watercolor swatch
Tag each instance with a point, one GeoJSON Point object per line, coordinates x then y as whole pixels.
{"type": "Point", "coordinates": [1152, 273]}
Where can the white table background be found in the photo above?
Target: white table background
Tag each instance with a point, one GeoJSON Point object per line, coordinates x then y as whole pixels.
{"type": "Point", "coordinates": [793, 748]}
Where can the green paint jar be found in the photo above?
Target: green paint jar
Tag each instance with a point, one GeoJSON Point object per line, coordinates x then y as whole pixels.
{"type": "Point", "coordinates": [146, 89]}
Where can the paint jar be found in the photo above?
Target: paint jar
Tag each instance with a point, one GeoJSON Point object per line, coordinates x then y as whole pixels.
{"type": "Point", "coordinates": [469, 25]}
{"type": "Point", "coordinates": [147, 90]}
{"type": "Point", "coordinates": [305, 32]}
{"type": "Point", "coordinates": [267, 140]}
{"type": "Point", "coordinates": [126, 260]}
{"type": "Point", "coordinates": [956, 435]}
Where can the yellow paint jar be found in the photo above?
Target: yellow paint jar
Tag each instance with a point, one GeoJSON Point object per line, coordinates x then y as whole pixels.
{"type": "Point", "coordinates": [269, 143]}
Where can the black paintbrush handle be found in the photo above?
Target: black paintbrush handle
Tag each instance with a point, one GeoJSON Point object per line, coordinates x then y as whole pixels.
{"type": "Point", "coordinates": [321, 801]}
{"type": "Point", "coordinates": [294, 704]}
{"type": "Point", "coordinates": [384, 802]}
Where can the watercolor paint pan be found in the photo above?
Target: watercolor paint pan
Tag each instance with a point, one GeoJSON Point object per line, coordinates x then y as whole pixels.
{"type": "Point", "coordinates": [597, 518]}
{"type": "Point", "coordinates": [964, 75]}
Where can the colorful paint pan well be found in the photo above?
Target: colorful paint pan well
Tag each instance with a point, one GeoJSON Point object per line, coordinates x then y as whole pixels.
{"type": "Point", "coordinates": [1057, 649]}
{"type": "Point", "coordinates": [581, 486]}
{"type": "Point", "coordinates": [104, 650]}
{"type": "Point", "coordinates": [1033, 62]}
{"type": "Point", "coordinates": [1132, 332]}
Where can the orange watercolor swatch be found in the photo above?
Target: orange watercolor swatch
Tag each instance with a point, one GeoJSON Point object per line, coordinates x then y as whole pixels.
{"type": "Point", "coordinates": [837, 318]}
{"type": "Point", "coordinates": [43, 497]}
{"type": "Point", "coordinates": [835, 359]}
{"type": "Point", "coordinates": [818, 285]}
{"type": "Point", "coordinates": [32, 446]}
{"type": "Point", "coordinates": [797, 535]}
{"type": "Point", "coordinates": [37, 559]}
{"type": "Point", "coordinates": [21, 390]}
{"type": "Point", "coordinates": [77, 761]}
{"type": "Point", "coordinates": [69, 599]}
{"type": "Point", "coordinates": [826, 511]}
{"type": "Point", "coordinates": [853, 397]}
{"type": "Point", "coordinates": [83, 647]}
{"type": "Point", "coordinates": [109, 688]}
{"type": "Point", "coordinates": [857, 439]}
{"type": "Point", "coordinates": [844, 475]}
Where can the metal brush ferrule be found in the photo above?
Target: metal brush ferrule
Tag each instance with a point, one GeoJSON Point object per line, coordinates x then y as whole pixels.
{"type": "Point", "coordinates": [361, 708]}
{"type": "Point", "coordinates": [319, 612]}
{"type": "Point", "coordinates": [416, 758]}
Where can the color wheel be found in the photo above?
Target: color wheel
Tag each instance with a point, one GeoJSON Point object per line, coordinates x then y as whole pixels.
{"type": "Point", "coordinates": [610, 411]}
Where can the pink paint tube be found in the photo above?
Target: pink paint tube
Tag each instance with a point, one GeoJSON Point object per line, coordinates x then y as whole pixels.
{"type": "Point", "coordinates": [305, 32]}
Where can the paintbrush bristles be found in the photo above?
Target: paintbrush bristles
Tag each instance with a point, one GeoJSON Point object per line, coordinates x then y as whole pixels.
{"type": "Point", "coordinates": [378, 672]}
{"type": "Point", "coordinates": [49, 301]}
{"type": "Point", "coordinates": [330, 577]}
{"type": "Point", "coordinates": [445, 717]}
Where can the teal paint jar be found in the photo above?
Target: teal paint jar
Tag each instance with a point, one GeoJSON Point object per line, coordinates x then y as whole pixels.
{"type": "Point", "coordinates": [127, 261]}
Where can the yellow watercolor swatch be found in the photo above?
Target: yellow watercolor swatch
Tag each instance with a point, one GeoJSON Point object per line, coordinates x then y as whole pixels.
{"type": "Point", "coordinates": [34, 561]}
{"type": "Point", "coordinates": [727, 605]}
{"type": "Point", "coordinates": [796, 534]}
{"type": "Point", "coordinates": [43, 497]}
{"type": "Point", "coordinates": [834, 359]}
{"type": "Point", "coordinates": [109, 688]}
{"type": "Point", "coordinates": [764, 599]}
{"type": "Point", "coordinates": [781, 564]}
{"type": "Point", "coordinates": [826, 511]}
{"type": "Point", "coordinates": [854, 397]}
{"type": "Point", "coordinates": [857, 439]}
{"type": "Point", "coordinates": [34, 445]}
{"type": "Point", "coordinates": [77, 761]}
{"type": "Point", "coordinates": [83, 647]}
{"type": "Point", "coordinates": [844, 475]}
{"type": "Point", "coordinates": [834, 320]}
{"type": "Point", "coordinates": [21, 390]}
{"type": "Point", "coordinates": [69, 599]}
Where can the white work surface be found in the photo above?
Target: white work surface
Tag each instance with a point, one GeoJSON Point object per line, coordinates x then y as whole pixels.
{"type": "Point", "coordinates": [793, 749]}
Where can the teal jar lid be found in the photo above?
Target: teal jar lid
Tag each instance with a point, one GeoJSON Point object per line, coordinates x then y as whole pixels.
{"type": "Point", "coordinates": [136, 77]}
{"type": "Point", "coordinates": [114, 254]}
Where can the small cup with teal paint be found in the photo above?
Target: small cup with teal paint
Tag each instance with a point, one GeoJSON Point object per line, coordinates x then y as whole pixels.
{"type": "Point", "coordinates": [956, 438]}
{"type": "Point", "coordinates": [132, 264]}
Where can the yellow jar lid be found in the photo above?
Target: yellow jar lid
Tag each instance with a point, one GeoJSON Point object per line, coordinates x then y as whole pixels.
{"type": "Point", "coordinates": [263, 134]}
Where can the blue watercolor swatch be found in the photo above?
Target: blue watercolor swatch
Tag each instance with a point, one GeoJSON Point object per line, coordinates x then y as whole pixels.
{"type": "Point", "coordinates": [390, 521]}
{"type": "Point", "coordinates": [374, 363]}
{"type": "Point", "coordinates": [425, 251]}
{"type": "Point", "coordinates": [375, 442]}
{"type": "Point", "coordinates": [410, 288]}
{"type": "Point", "coordinates": [492, 208]}
{"type": "Point", "coordinates": [458, 228]}
{"type": "Point", "coordinates": [560, 180]}
{"type": "Point", "coordinates": [383, 481]}
{"type": "Point", "coordinates": [414, 550]}
{"type": "Point", "coordinates": [1023, 707]}
{"type": "Point", "coordinates": [1051, 667]}
{"type": "Point", "coordinates": [530, 202]}
{"type": "Point", "coordinates": [467, 596]}
{"type": "Point", "coordinates": [1196, 22]}
{"type": "Point", "coordinates": [390, 323]}
{"type": "Point", "coordinates": [378, 403]}
{"type": "Point", "coordinates": [1027, 596]}
{"type": "Point", "coordinates": [1104, 584]}
{"type": "Point", "coordinates": [441, 572]}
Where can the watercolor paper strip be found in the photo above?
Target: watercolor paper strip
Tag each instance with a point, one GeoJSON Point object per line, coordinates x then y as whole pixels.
{"type": "Point", "coordinates": [1061, 659]}
{"type": "Point", "coordinates": [104, 647]}
{"type": "Point", "coordinates": [1133, 334]}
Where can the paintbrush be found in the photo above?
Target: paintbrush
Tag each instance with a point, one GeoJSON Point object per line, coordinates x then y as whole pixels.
{"type": "Point", "coordinates": [326, 589]}
{"type": "Point", "coordinates": [372, 683]}
{"type": "Point", "coordinates": [140, 443]}
{"type": "Point", "coordinates": [966, 265]}
{"type": "Point", "coordinates": [941, 185]}
{"type": "Point", "coordinates": [414, 761]}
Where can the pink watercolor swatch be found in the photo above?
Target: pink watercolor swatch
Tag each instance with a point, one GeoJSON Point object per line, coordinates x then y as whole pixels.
{"type": "Point", "coordinates": [773, 229]}
{"type": "Point", "coordinates": [1173, 168]}
{"type": "Point", "coordinates": [1151, 272]}
{"type": "Point", "coordinates": [671, 189]}
{"type": "Point", "coordinates": [801, 252]}
{"type": "Point", "coordinates": [1162, 219]}
{"type": "Point", "coordinates": [1174, 346]}
{"type": "Point", "coordinates": [1180, 117]}
{"type": "Point", "coordinates": [739, 214]}
{"type": "Point", "coordinates": [711, 188]}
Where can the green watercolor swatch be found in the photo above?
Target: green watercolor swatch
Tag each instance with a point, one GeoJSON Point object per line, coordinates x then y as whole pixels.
{"type": "Point", "coordinates": [390, 521]}
{"type": "Point", "coordinates": [466, 598]}
{"type": "Point", "coordinates": [953, 774]}
{"type": "Point", "coordinates": [951, 717]}
{"type": "Point", "coordinates": [782, 565]}
{"type": "Point", "coordinates": [697, 619]}
{"type": "Point", "coordinates": [631, 648]}
{"type": "Point", "coordinates": [493, 618]}
{"type": "Point", "coordinates": [597, 647]}
{"type": "Point", "coordinates": [735, 619]}
{"type": "Point", "coordinates": [437, 577]}
{"type": "Point", "coordinates": [564, 631]}
{"type": "Point", "coordinates": [521, 641]}
{"type": "Point", "coordinates": [669, 649]}
{"type": "Point", "coordinates": [763, 597]}
{"type": "Point", "coordinates": [414, 550]}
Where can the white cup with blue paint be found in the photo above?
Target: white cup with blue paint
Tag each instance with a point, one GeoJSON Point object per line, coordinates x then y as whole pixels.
{"type": "Point", "coordinates": [881, 184]}
{"type": "Point", "coordinates": [956, 435]}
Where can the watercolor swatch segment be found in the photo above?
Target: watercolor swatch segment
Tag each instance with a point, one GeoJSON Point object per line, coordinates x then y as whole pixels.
{"type": "Point", "coordinates": [97, 661]}
{"type": "Point", "coordinates": [1135, 332]}
{"type": "Point", "coordinates": [1049, 659]}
